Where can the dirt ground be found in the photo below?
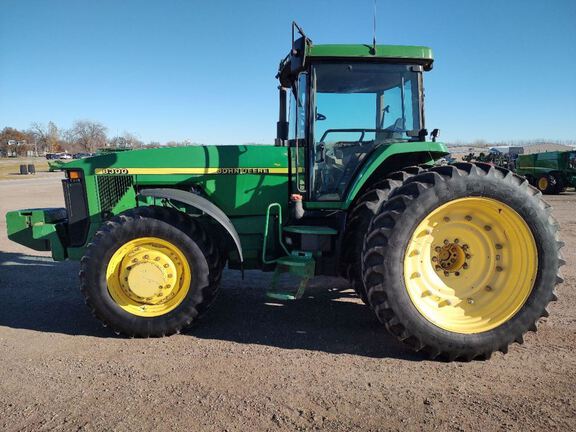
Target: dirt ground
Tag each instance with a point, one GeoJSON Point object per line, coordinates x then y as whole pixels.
{"type": "Point", "coordinates": [321, 363]}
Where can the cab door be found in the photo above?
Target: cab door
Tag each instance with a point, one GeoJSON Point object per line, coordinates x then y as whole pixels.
{"type": "Point", "coordinates": [298, 133]}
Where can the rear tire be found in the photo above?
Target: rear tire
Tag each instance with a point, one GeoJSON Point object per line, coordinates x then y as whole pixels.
{"type": "Point", "coordinates": [358, 221]}
{"type": "Point", "coordinates": [482, 297]}
{"type": "Point", "coordinates": [150, 272]}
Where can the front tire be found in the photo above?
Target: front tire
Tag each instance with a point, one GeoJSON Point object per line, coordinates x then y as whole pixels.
{"type": "Point", "coordinates": [150, 272]}
{"type": "Point", "coordinates": [462, 261]}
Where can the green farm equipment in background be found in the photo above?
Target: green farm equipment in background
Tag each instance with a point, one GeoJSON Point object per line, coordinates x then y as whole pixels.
{"type": "Point", "coordinates": [457, 261]}
{"type": "Point", "coordinates": [551, 172]}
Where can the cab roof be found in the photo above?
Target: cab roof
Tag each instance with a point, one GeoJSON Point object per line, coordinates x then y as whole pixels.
{"type": "Point", "coordinates": [304, 50]}
{"type": "Point", "coordinates": [419, 54]}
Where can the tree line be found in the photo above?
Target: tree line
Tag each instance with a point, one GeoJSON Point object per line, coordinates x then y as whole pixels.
{"type": "Point", "coordinates": [85, 136]}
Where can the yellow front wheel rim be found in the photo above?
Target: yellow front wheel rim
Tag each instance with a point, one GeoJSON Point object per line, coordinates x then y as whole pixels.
{"type": "Point", "coordinates": [470, 265]}
{"type": "Point", "coordinates": [148, 276]}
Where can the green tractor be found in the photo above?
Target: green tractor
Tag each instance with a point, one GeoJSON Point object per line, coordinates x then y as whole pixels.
{"type": "Point", "coordinates": [551, 172]}
{"type": "Point", "coordinates": [457, 261]}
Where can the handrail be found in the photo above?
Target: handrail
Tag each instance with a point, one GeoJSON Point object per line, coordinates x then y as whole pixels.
{"type": "Point", "coordinates": [265, 240]}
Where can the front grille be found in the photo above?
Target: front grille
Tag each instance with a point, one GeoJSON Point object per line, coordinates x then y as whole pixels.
{"type": "Point", "coordinates": [77, 211]}
{"type": "Point", "coordinates": [111, 189]}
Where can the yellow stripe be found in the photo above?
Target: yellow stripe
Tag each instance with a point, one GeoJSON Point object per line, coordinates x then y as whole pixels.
{"type": "Point", "coordinates": [193, 171]}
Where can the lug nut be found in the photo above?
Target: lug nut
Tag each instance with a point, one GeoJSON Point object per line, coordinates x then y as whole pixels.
{"type": "Point", "coordinates": [456, 241]}
{"type": "Point", "coordinates": [465, 246]}
{"type": "Point", "coordinates": [438, 268]}
{"type": "Point", "coordinates": [457, 273]}
{"type": "Point", "coordinates": [468, 218]}
{"type": "Point", "coordinates": [166, 266]}
{"type": "Point", "coordinates": [157, 259]}
{"type": "Point", "coordinates": [497, 257]}
{"type": "Point", "coordinates": [446, 273]}
{"type": "Point", "coordinates": [464, 266]}
{"type": "Point", "coordinates": [446, 219]}
{"type": "Point", "coordinates": [470, 301]}
{"type": "Point", "coordinates": [498, 246]}
{"type": "Point", "coordinates": [434, 259]}
{"type": "Point", "coordinates": [146, 256]}
{"type": "Point", "coordinates": [499, 269]}
{"type": "Point", "coordinates": [446, 242]}
{"type": "Point", "coordinates": [437, 248]}
{"type": "Point", "coordinates": [487, 227]}
{"type": "Point", "coordinates": [488, 288]}
{"type": "Point", "coordinates": [169, 276]}
{"type": "Point", "coordinates": [468, 256]}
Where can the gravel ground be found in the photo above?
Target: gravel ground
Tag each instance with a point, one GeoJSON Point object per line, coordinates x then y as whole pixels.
{"type": "Point", "coordinates": [319, 363]}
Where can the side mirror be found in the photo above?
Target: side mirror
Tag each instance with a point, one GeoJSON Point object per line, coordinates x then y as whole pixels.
{"type": "Point", "coordinates": [435, 134]}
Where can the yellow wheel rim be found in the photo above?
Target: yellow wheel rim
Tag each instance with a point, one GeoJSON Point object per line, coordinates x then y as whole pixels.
{"type": "Point", "coordinates": [470, 265]}
{"type": "Point", "coordinates": [543, 183]}
{"type": "Point", "coordinates": [148, 277]}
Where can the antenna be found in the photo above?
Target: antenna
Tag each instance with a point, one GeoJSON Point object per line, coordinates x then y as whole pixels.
{"type": "Point", "coordinates": [374, 31]}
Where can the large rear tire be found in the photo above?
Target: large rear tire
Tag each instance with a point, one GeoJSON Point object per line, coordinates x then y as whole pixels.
{"type": "Point", "coordinates": [358, 221]}
{"type": "Point", "coordinates": [150, 272]}
{"type": "Point", "coordinates": [462, 261]}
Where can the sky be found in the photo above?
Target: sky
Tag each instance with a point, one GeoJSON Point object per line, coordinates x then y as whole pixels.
{"type": "Point", "coordinates": [203, 71]}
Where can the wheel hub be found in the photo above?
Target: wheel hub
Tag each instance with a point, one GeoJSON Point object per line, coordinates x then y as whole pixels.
{"type": "Point", "coordinates": [148, 275]}
{"type": "Point", "coordinates": [450, 257]}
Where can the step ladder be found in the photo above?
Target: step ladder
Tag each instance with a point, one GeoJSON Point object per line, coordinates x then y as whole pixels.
{"type": "Point", "coordinates": [298, 266]}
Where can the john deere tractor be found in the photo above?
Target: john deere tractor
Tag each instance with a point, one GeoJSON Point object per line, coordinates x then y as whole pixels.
{"type": "Point", "coordinates": [457, 261]}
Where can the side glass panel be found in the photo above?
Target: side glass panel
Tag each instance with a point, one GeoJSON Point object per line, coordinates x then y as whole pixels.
{"type": "Point", "coordinates": [572, 160]}
{"type": "Point", "coordinates": [297, 131]}
{"type": "Point", "coordinates": [358, 107]}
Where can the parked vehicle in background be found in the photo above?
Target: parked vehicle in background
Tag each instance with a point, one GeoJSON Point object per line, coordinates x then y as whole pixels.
{"type": "Point", "coordinates": [551, 172]}
{"type": "Point", "coordinates": [56, 156]}
{"type": "Point", "coordinates": [81, 155]}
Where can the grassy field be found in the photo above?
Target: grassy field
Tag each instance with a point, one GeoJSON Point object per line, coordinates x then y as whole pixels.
{"type": "Point", "coordinates": [10, 167]}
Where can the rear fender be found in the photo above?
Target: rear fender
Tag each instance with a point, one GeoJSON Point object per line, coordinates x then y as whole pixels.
{"type": "Point", "coordinates": [390, 158]}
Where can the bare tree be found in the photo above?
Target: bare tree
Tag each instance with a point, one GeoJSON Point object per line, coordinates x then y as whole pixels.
{"type": "Point", "coordinates": [88, 135]}
{"type": "Point", "coordinates": [127, 140]}
{"type": "Point", "coordinates": [46, 138]}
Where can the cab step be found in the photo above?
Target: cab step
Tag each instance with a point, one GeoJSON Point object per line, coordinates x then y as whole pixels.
{"type": "Point", "coordinates": [297, 268]}
{"type": "Point", "coordinates": [310, 238]}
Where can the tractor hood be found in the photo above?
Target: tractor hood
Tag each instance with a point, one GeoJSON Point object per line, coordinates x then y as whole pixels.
{"type": "Point", "coordinates": [241, 180]}
{"type": "Point", "coordinates": [187, 161]}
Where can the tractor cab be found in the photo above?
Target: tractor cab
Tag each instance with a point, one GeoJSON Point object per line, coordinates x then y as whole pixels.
{"type": "Point", "coordinates": [344, 103]}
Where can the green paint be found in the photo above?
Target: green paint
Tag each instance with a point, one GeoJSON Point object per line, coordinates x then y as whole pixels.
{"type": "Point", "coordinates": [401, 52]}
{"type": "Point", "coordinates": [561, 164]}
